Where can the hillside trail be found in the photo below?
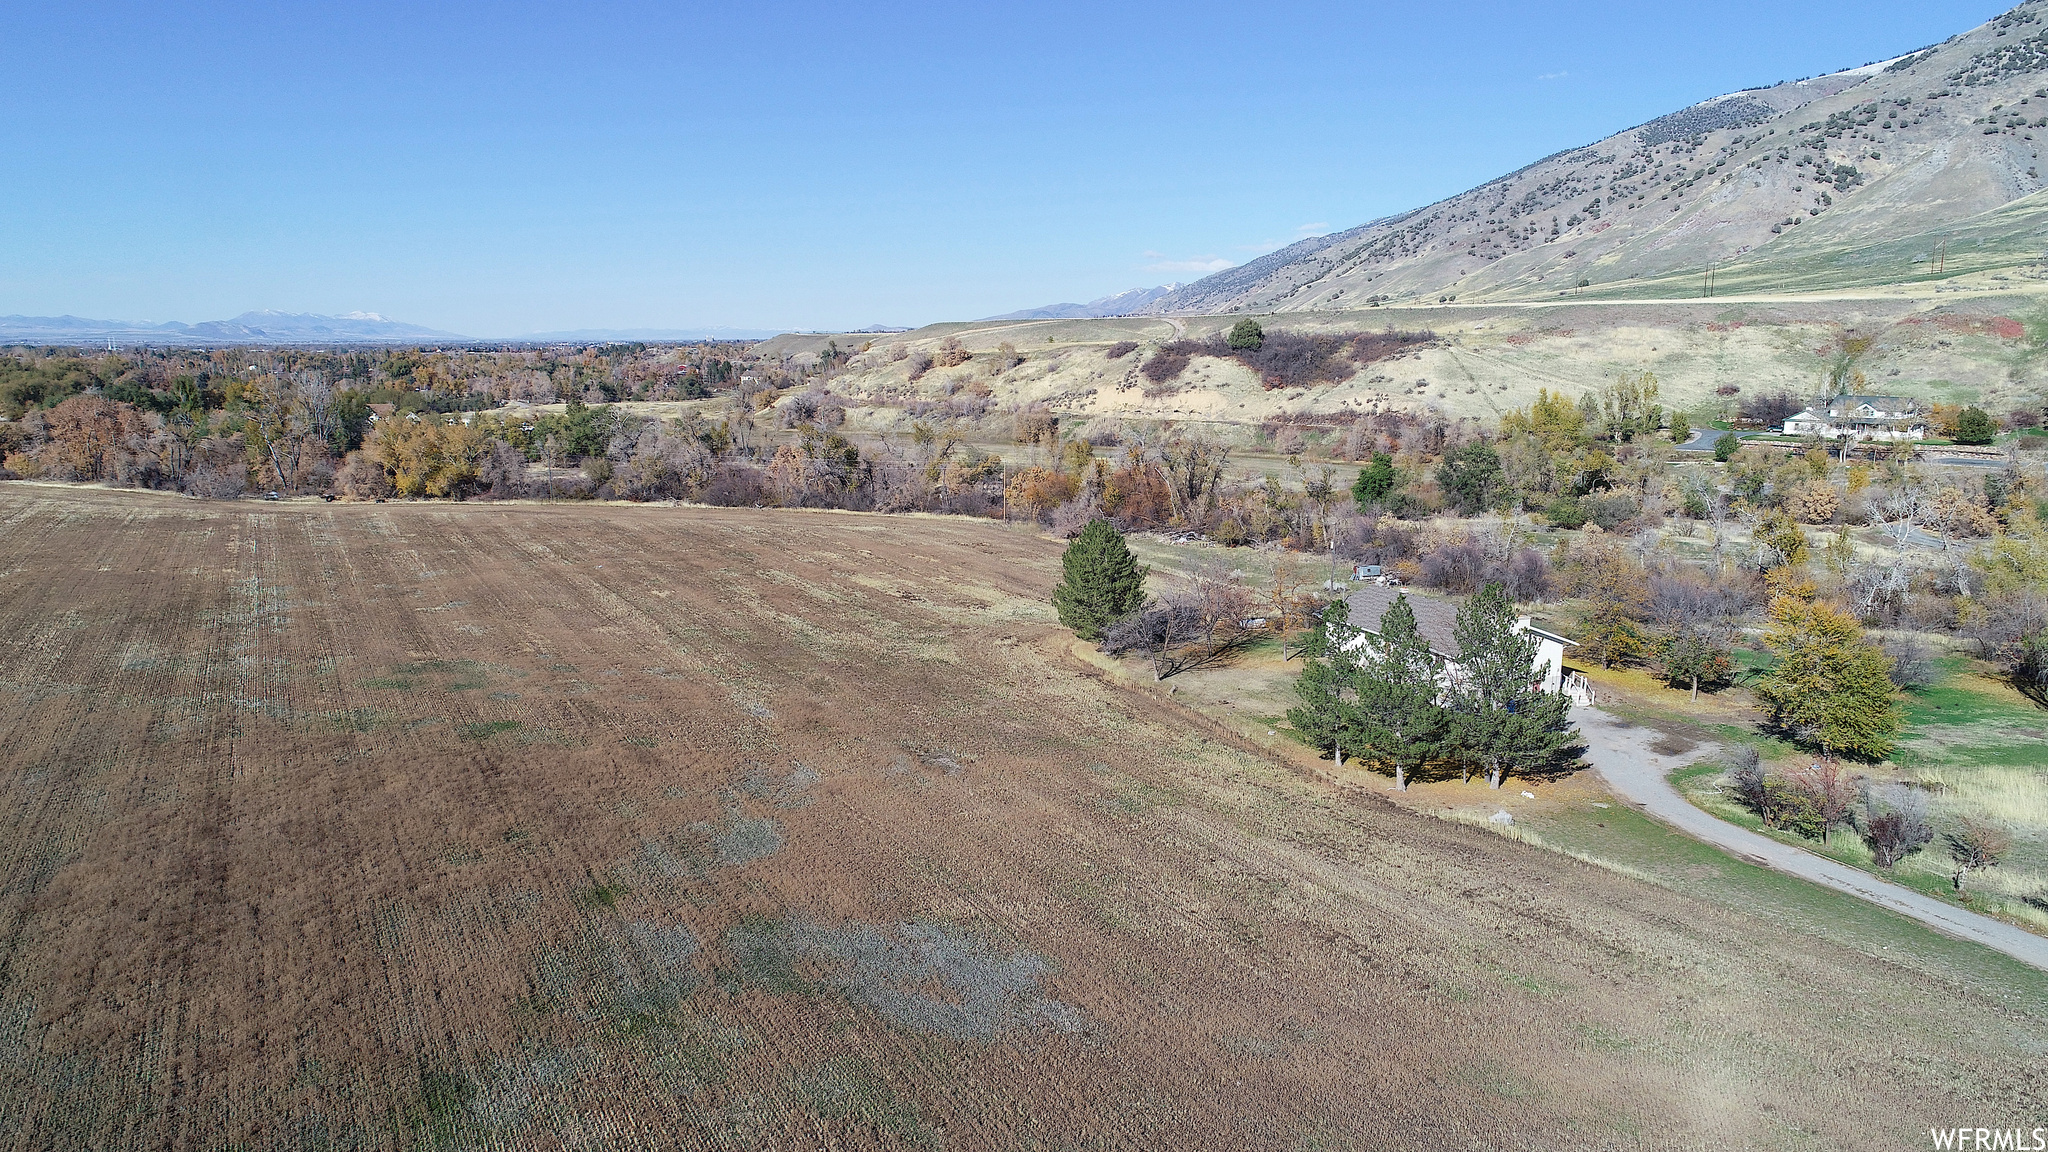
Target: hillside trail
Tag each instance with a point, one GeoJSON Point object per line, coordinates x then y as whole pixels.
{"type": "Point", "coordinates": [1621, 752]}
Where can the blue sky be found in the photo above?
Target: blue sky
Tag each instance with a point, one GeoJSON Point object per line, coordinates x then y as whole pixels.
{"type": "Point", "coordinates": [513, 167]}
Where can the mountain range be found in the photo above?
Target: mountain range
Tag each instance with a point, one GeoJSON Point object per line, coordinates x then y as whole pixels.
{"type": "Point", "coordinates": [271, 327]}
{"type": "Point", "coordinates": [1129, 303]}
{"type": "Point", "coordinates": [1914, 168]}
{"type": "Point", "coordinates": [260, 327]}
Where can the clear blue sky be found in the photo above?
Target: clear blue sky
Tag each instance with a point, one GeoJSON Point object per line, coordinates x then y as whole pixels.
{"type": "Point", "coordinates": [493, 169]}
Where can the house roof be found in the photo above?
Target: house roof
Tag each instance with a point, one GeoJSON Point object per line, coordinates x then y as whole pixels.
{"type": "Point", "coordinates": [1880, 403]}
{"type": "Point", "coordinates": [1436, 617]}
{"type": "Point", "coordinates": [1538, 630]}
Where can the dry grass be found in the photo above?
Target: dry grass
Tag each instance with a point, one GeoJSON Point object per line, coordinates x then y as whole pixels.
{"type": "Point", "coordinates": [811, 832]}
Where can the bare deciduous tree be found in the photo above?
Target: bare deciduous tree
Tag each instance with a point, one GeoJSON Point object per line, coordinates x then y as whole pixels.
{"type": "Point", "coordinates": [1895, 823]}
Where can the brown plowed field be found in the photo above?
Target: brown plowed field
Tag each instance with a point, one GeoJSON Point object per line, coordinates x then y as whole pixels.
{"type": "Point", "coordinates": [332, 826]}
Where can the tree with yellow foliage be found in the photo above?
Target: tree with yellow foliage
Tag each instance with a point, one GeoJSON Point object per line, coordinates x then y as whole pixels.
{"type": "Point", "coordinates": [427, 455]}
{"type": "Point", "coordinates": [1829, 682]}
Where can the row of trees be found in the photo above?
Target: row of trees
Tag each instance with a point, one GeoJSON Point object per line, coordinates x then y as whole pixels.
{"type": "Point", "coordinates": [1386, 697]}
{"type": "Point", "coordinates": [169, 380]}
{"type": "Point", "coordinates": [1400, 707]}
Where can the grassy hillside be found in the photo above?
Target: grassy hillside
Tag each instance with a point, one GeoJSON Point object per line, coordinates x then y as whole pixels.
{"type": "Point", "coordinates": [1983, 343]}
{"type": "Point", "coordinates": [2007, 245]}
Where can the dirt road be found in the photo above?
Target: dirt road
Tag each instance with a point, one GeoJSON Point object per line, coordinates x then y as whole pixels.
{"type": "Point", "coordinates": [1621, 752]}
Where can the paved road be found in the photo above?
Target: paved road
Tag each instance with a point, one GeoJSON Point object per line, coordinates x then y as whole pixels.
{"type": "Point", "coordinates": [1623, 757]}
{"type": "Point", "coordinates": [1704, 439]}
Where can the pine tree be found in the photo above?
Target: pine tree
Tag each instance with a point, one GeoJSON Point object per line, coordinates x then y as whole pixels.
{"type": "Point", "coordinates": [1319, 719]}
{"type": "Point", "coordinates": [1103, 584]}
{"type": "Point", "coordinates": [1502, 718]}
{"type": "Point", "coordinates": [1375, 481]}
{"type": "Point", "coordinates": [1397, 721]}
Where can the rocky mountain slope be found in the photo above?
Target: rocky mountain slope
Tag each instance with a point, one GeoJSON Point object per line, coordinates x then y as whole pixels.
{"type": "Point", "coordinates": [1911, 169]}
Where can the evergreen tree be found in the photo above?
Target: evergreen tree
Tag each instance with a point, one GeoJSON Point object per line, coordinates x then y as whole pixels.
{"type": "Point", "coordinates": [1103, 584]}
{"type": "Point", "coordinates": [1397, 722]}
{"type": "Point", "coordinates": [1246, 336]}
{"type": "Point", "coordinates": [1829, 681]}
{"type": "Point", "coordinates": [1375, 481]}
{"type": "Point", "coordinates": [1502, 718]}
{"type": "Point", "coordinates": [1470, 477]}
{"type": "Point", "coordinates": [1975, 426]}
{"type": "Point", "coordinates": [1319, 718]}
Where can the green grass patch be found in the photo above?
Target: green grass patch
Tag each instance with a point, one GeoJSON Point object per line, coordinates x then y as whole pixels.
{"type": "Point", "coordinates": [1960, 697]}
{"type": "Point", "coordinates": [485, 729]}
{"type": "Point", "coordinates": [355, 719]}
{"type": "Point", "coordinates": [604, 894]}
{"type": "Point", "coordinates": [1628, 838]}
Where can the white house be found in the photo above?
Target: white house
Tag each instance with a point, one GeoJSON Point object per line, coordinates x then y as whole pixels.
{"type": "Point", "coordinates": [1436, 620]}
{"type": "Point", "coordinates": [1861, 418]}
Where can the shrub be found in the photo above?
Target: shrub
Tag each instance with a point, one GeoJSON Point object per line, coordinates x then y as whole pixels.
{"type": "Point", "coordinates": [1895, 823]}
{"type": "Point", "coordinates": [1122, 348]}
{"type": "Point", "coordinates": [1292, 360]}
{"type": "Point", "coordinates": [1246, 335]}
{"type": "Point", "coordinates": [952, 353]}
{"type": "Point", "coordinates": [1813, 503]}
{"type": "Point", "coordinates": [1612, 511]}
{"type": "Point", "coordinates": [1566, 512]}
{"type": "Point", "coordinates": [1912, 661]}
{"type": "Point", "coordinates": [1746, 778]}
{"type": "Point", "coordinates": [1975, 845]}
{"type": "Point", "coordinates": [1458, 567]}
{"type": "Point", "coordinates": [1170, 361]}
{"type": "Point", "coordinates": [1975, 426]}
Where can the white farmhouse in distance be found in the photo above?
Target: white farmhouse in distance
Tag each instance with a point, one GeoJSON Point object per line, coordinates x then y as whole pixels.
{"type": "Point", "coordinates": [1861, 418]}
{"type": "Point", "coordinates": [1436, 619]}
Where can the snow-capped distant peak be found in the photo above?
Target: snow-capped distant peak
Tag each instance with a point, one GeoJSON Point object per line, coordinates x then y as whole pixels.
{"type": "Point", "coordinates": [365, 316]}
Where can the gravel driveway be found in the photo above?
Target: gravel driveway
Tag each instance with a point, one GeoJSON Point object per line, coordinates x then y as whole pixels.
{"type": "Point", "coordinates": [1621, 752]}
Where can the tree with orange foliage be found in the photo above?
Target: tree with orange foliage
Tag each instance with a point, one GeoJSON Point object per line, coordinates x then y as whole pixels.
{"type": "Point", "coordinates": [88, 433]}
{"type": "Point", "coordinates": [1037, 491]}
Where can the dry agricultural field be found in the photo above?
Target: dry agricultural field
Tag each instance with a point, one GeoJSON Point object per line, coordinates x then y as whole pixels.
{"type": "Point", "coordinates": [357, 826]}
